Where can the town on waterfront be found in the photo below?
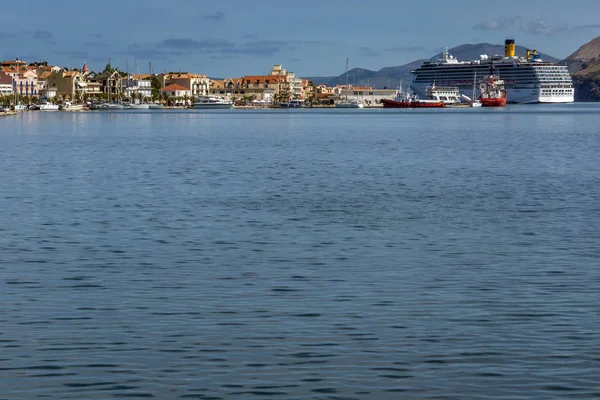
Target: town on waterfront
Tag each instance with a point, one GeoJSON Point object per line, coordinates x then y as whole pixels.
{"type": "Point", "coordinates": [519, 76]}
{"type": "Point", "coordinates": [26, 85]}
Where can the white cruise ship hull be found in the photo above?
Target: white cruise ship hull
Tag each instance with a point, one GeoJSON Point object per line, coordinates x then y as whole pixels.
{"type": "Point", "coordinates": [514, 96]}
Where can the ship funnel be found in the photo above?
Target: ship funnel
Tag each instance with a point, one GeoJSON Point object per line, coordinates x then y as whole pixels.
{"type": "Point", "coordinates": [528, 54]}
{"type": "Point", "coordinates": [509, 48]}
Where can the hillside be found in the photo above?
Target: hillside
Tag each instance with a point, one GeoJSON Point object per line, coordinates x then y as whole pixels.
{"type": "Point", "coordinates": [584, 66]}
{"type": "Point", "coordinates": [392, 76]}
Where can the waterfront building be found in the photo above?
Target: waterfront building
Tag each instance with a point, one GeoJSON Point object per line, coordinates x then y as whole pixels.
{"type": "Point", "coordinates": [369, 96]}
{"type": "Point", "coordinates": [228, 88]}
{"type": "Point", "coordinates": [72, 84]}
{"type": "Point", "coordinates": [6, 84]}
{"type": "Point", "coordinates": [134, 87]}
{"type": "Point", "coordinates": [110, 83]}
{"type": "Point", "coordinates": [197, 84]}
{"type": "Point", "coordinates": [24, 77]}
{"type": "Point", "coordinates": [43, 73]}
{"type": "Point", "coordinates": [174, 90]}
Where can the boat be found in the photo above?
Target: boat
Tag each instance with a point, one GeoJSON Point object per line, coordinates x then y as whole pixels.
{"type": "Point", "coordinates": [142, 106]}
{"type": "Point", "coordinates": [350, 104]}
{"type": "Point", "coordinates": [404, 99]}
{"type": "Point", "coordinates": [475, 102]}
{"type": "Point", "coordinates": [449, 95]}
{"type": "Point", "coordinates": [492, 91]}
{"type": "Point", "coordinates": [49, 107]}
{"type": "Point", "coordinates": [212, 103]}
{"type": "Point", "coordinates": [408, 101]}
{"type": "Point", "coordinates": [71, 107]}
{"type": "Point", "coordinates": [527, 79]}
{"type": "Point", "coordinates": [21, 107]}
{"type": "Point", "coordinates": [154, 106]}
{"type": "Point", "coordinates": [346, 103]}
{"type": "Point", "coordinates": [106, 106]}
{"type": "Point", "coordinates": [295, 103]}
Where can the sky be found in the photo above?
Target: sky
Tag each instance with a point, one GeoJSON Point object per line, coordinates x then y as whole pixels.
{"type": "Point", "coordinates": [232, 38]}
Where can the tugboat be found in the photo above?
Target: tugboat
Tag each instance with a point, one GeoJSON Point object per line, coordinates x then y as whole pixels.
{"type": "Point", "coordinates": [492, 91]}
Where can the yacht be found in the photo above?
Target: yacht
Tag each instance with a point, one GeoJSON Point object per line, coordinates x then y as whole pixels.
{"type": "Point", "coordinates": [526, 79]}
{"type": "Point", "coordinates": [142, 106]}
{"type": "Point", "coordinates": [49, 107]}
{"type": "Point", "coordinates": [212, 103]}
{"type": "Point", "coordinates": [350, 104]}
{"type": "Point", "coordinates": [296, 103]}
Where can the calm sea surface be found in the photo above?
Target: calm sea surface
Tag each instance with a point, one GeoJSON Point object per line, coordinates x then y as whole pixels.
{"type": "Point", "coordinates": [308, 254]}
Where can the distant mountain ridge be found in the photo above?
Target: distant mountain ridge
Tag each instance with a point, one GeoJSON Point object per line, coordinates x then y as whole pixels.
{"type": "Point", "coordinates": [391, 77]}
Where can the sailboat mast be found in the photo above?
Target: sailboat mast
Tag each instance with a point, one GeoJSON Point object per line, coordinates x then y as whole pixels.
{"type": "Point", "coordinates": [346, 79]}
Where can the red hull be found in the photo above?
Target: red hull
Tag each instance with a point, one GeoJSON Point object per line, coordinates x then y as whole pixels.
{"type": "Point", "coordinates": [493, 102]}
{"type": "Point", "coordinates": [412, 104]}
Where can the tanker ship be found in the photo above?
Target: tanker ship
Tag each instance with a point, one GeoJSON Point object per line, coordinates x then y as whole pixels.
{"type": "Point", "coordinates": [527, 79]}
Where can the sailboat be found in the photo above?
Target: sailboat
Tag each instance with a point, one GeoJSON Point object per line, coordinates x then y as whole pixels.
{"type": "Point", "coordinates": [346, 103]}
{"type": "Point", "coordinates": [475, 102]}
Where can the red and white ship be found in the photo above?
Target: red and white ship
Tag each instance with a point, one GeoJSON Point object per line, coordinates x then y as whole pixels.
{"type": "Point", "coordinates": [492, 91]}
{"type": "Point", "coordinates": [405, 100]}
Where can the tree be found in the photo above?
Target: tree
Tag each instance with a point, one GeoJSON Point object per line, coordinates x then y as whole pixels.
{"type": "Point", "coordinates": [156, 86]}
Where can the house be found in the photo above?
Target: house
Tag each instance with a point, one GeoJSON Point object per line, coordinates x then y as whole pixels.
{"type": "Point", "coordinates": [43, 73]}
{"type": "Point", "coordinates": [174, 90]}
{"type": "Point", "coordinates": [6, 84]}
{"type": "Point", "coordinates": [72, 84]}
{"type": "Point", "coordinates": [198, 85]}
{"type": "Point", "coordinates": [134, 85]}
{"type": "Point", "coordinates": [230, 87]}
{"type": "Point", "coordinates": [110, 83]}
{"type": "Point", "coordinates": [24, 77]}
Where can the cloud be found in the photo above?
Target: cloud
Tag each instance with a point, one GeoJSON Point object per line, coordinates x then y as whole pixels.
{"type": "Point", "coordinates": [494, 24]}
{"type": "Point", "coordinates": [532, 26]}
{"type": "Point", "coordinates": [72, 53]}
{"type": "Point", "coordinates": [368, 52]}
{"type": "Point", "coordinates": [198, 45]}
{"type": "Point", "coordinates": [146, 52]}
{"type": "Point", "coordinates": [94, 44]}
{"type": "Point", "coordinates": [537, 26]}
{"type": "Point", "coordinates": [585, 27]}
{"type": "Point", "coordinates": [219, 16]}
{"type": "Point", "coordinates": [96, 35]}
{"type": "Point", "coordinates": [220, 46]}
{"type": "Point", "coordinates": [43, 35]}
{"type": "Point", "coordinates": [4, 35]}
{"type": "Point", "coordinates": [405, 48]}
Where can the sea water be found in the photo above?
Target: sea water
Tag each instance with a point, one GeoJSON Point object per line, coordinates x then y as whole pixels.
{"type": "Point", "coordinates": [306, 254]}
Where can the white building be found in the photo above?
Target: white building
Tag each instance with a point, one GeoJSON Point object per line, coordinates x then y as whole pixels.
{"type": "Point", "coordinates": [137, 87]}
{"type": "Point", "coordinates": [175, 90]}
{"type": "Point", "coordinates": [6, 84]}
{"type": "Point", "coordinates": [369, 96]}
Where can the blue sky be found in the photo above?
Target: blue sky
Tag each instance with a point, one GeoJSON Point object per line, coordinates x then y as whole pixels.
{"type": "Point", "coordinates": [312, 38]}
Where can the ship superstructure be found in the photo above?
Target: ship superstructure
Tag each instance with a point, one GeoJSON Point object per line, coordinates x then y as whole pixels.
{"type": "Point", "coordinates": [527, 79]}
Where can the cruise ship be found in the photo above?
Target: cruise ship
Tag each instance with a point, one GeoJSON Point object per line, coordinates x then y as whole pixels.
{"type": "Point", "coordinates": [526, 79]}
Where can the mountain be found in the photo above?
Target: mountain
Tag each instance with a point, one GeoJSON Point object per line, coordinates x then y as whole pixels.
{"type": "Point", "coordinates": [391, 77]}
{"type": "Point", "coordinates": [584, 66]}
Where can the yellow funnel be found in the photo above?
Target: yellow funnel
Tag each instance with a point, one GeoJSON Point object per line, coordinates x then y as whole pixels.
{"type": "Point", "coordinates": [509, 48]}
